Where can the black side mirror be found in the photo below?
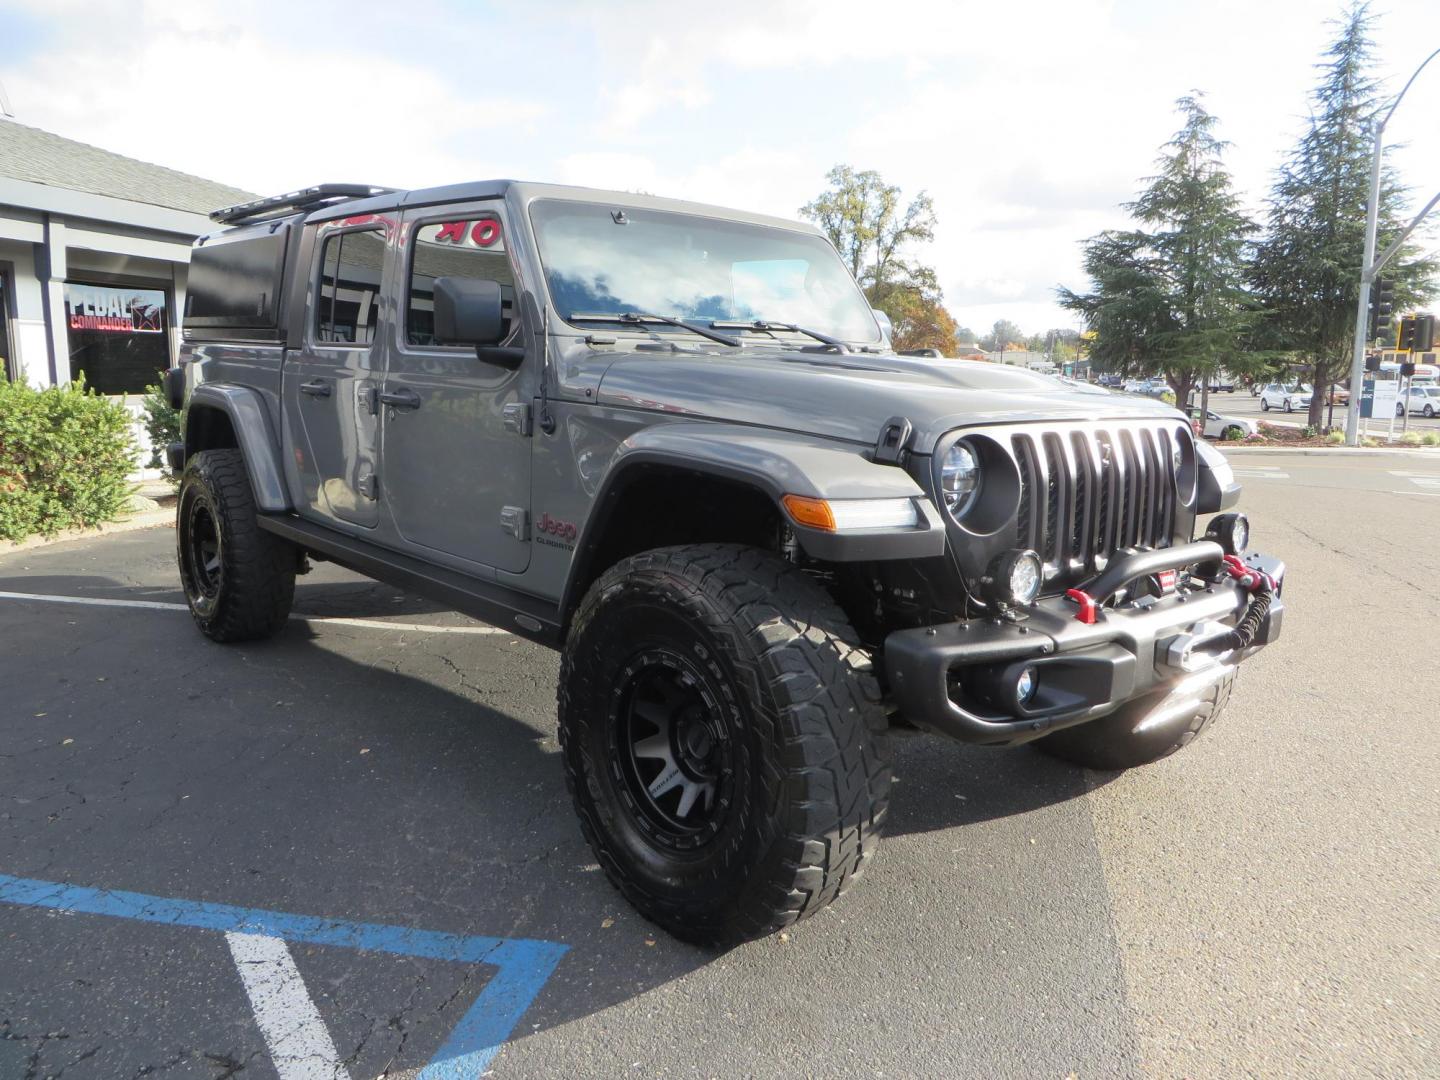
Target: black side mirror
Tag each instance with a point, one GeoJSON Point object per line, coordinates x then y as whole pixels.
{"type": "Point", "coordinates": [472, 312]}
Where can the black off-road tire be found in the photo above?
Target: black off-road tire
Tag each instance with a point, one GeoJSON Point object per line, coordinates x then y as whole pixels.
{"type": "Point", "coordinates": [1121, 741]}
{"type": "Point", "coordinates": [240, 586]}
{"type": "Point", "coordinates": [805, 778]}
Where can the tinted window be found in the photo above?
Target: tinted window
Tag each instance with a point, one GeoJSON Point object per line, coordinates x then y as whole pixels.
{"type": "Point", "coordinates": [349, 300]}
{"type": "Point", "coordinates": [472, 249]}
{"type": "Point", "coordinates": [117, 336]}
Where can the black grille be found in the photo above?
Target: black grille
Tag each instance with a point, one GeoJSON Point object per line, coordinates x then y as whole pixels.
{"type": "Point", "coordinates": [1091, 491]}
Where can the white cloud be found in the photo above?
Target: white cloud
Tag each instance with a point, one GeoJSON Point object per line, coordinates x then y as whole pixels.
{"type": "Point", "coordinates": [1027, 123]}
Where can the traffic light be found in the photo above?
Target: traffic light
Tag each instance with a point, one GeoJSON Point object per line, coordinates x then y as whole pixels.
{"type": "Point", "coordinates": [1405, 340]}
{"type": "Point", "coordinates": [1382, 303]}
{"type": "Point", "coordinates": [1424, 333]}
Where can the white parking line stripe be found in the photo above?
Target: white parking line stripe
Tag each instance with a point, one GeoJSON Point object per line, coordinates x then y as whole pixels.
{"type": "Point", "coordinates": [96, 601]}
{"type": "Point", "coordinates": [1267, 473]}
{"type": "Point", "coordinates": [1432, 494]}
{"type": "Point", "coordinates": [337, 620]}
{"type": "Point", "coordinates": [300, 1046]}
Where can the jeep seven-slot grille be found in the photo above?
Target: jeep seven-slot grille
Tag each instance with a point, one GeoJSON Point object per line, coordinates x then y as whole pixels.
{"type": "Point", "coordinates": [1086, 493]}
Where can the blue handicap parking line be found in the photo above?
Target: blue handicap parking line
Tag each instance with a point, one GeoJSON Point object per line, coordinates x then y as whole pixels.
{"type": "Point", "coordinates": [522, 964]}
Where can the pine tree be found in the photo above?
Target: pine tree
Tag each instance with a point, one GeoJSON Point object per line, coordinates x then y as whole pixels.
{"type": "Point", "coordinates": [1170, 297]}
{"type": "Point", "coordinates": [1306, 269]}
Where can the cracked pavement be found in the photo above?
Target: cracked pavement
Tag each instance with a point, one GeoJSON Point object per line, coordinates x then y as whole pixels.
{"type": "Point", "coordinates": [1264, 903]}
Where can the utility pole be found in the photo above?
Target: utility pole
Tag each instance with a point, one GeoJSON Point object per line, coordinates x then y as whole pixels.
{"type": "Point", "coordinates": [1372, 266]}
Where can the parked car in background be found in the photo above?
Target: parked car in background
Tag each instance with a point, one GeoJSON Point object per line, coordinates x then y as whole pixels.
{"type": "Point", "coordinates": [1110, 380]}
{"type": "Point", "coordinates": [1287, 398]}
{"type": "Point", "coordinates": [1218, 426]}
{"type": "Point", "coordinates": [1222, 384]}
{"type": "Point", "coordinates": [1424, 400]}
{"type": "Point", "coordinates": [1338, 395]}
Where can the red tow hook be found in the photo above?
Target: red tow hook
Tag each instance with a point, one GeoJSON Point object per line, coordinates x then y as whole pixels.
{"type": "Point", "coordinates": [1248, 577]}
{"type": "Point", "coordinates": [1089, 611]}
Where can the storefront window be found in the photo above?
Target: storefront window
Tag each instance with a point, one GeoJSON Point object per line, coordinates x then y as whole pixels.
{"type": "Point", "coordinates": [118, 338]}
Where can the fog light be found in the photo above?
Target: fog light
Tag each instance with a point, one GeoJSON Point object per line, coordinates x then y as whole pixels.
{"type": "Point", "coordinates": [1015, 578]}
{"type": "Point", "coordinates": [1231, 532]}
{"type": "Point", "coordinates": [1025, 686]}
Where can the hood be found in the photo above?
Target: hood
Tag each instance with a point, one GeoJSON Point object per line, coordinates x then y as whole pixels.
{"type": "Point", "coordinates": [850, 395]}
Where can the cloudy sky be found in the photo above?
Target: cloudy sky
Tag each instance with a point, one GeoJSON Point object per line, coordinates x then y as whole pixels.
{"type": "Point", "coordinates": [1028, 122]}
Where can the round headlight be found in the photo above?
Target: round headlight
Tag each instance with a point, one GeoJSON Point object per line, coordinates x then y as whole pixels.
{"type": "Point", "coordinates": [959, 478]}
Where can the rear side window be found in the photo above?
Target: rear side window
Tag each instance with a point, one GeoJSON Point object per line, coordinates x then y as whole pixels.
{"type": "Point", "coordinates": [347, 308]}
{"type": "Point", "coordinates": [472, 249]}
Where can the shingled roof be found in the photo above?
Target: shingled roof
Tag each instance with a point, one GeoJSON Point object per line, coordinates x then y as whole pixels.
{"type": "Point", "coordinates": [39, 157]}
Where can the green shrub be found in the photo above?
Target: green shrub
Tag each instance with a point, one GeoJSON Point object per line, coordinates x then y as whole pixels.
{"type": "Point", "coordinates": [1410, 438]}
{"type": "Point", "coordinates": [1430, 438]}
{"type": "Point", "coordinates": [65, 459]}
{"type": "Point", "coordinates": [1335, 437]}
{"type": "Point", "coordinates": [162, 424]}
{"type": "Point", "coordinates": [1309, 431]}
{"type": "Point", "coordinates": [1232, 434]}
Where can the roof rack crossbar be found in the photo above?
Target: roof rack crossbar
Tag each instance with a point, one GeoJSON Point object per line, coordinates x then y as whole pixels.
{"type": "Point", "coordinates": [304, 199]}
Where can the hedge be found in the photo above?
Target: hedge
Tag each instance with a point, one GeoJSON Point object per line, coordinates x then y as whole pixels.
{"type": "Point", "coordinates": [65, 459]}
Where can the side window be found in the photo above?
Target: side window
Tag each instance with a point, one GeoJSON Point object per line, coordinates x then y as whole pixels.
{"type": "Point", "coordinates": [462, 249]}
{"type": "Point", "coordinates": [348, 304]}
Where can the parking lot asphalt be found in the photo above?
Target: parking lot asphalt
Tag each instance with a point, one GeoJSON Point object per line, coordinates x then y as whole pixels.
{"type": "Point", "coordinates": [1264, 903]}
{"type": "Point", "coordinates": [1240, 403]}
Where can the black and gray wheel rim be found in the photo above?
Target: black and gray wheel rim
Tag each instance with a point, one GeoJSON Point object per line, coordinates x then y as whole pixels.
{"type": "Point", "coordinates": [672, 748]}
{"type": "Point", "coordinates": [203, 551]}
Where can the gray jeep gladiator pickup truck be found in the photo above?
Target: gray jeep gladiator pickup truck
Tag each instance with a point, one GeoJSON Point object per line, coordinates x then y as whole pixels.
{"type": "Point", "coordinates": [674, 442]}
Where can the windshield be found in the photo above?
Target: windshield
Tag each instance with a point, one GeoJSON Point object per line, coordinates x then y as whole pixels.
{"type": "Point", "coordinates": [602, 259]}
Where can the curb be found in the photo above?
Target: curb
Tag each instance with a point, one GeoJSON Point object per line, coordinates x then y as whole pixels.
{"type": "Point", "coordinates": [150, 519]}
{"type": "Point", "coordinates": [1401, 451]}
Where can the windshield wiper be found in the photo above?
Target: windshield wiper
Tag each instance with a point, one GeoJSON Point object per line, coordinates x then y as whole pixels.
{"type": "Point", "coordinates": [764, 325]}
{"type": "Point", "coordinates": [640, 318]}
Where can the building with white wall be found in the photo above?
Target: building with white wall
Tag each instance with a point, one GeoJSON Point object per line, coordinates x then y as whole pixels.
{"type": "Point", "coordinates": [94, 248]}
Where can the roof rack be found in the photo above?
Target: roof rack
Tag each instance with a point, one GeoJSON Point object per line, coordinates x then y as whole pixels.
{"type": "Point", "coordinates": [309, 198]}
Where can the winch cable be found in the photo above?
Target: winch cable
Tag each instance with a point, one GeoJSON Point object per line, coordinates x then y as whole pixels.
{"type": "Point", "coordinates": [1263, 588]}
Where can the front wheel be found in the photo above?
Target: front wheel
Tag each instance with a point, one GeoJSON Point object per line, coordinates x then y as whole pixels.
{"type": "Point", "coordinates": [1144, 730]}
{"type": "Point", "coordinates": [1264, 405]}
{"type": "Point", "coordinates": [723, 740]}
{"type": "Point", "coordinates": [239, 580]}
{"type": "Point", "coordinates": [1288, 406]}
{"type": "Point", "coordinates": [1429, 412]}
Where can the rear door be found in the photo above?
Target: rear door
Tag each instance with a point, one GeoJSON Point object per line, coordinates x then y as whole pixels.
{"type": "Point", "coordinates": [332, 379]}
{"type": "Point", "coordinates": [455, 442]}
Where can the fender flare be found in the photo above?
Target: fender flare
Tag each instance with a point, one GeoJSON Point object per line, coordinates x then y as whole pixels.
{"type": "Point", "coordinates": [254, 434]}
{"type": "Point", "coordinates": [776, 464]}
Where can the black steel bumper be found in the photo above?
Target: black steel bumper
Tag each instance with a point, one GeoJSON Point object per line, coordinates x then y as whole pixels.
{"type": "Point", "coordinates": [958, 678]}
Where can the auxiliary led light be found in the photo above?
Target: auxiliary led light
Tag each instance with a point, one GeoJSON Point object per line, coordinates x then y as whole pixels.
{"type": "Point", "coordinates": [1015, 578]}
{"type": "Point", "coordinates": [1231, 532]}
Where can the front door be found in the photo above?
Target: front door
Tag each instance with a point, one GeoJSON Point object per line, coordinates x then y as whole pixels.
{"type": "Point", "coordinates": [456, 467]}
{"type": "Point", "coordinates": [332, 381]}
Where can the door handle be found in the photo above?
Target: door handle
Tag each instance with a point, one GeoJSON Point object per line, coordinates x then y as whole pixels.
{"type": "Point", "coordinates": [316, 388]}
{"type": "Point", "coordinates": [400, 399]}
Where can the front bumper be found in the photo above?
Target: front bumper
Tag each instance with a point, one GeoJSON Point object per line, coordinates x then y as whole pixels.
{"type": "Point", "coordinates": [958, 679]}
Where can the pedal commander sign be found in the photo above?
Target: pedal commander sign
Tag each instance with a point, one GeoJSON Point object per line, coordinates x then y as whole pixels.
{"type": "Point", "coordinates": [110, 310]}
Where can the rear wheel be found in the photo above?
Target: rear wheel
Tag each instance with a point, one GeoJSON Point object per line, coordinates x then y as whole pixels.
{"type": "Point", "coordinates": [723, 740]}
{"type": "Point", "coordinates": [1142, 731]}
{"type": "Point", "coordinates": [239, 580]}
